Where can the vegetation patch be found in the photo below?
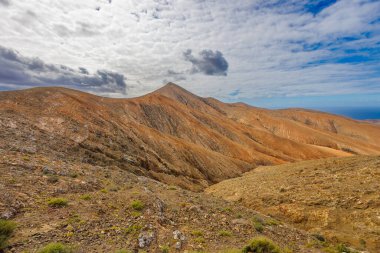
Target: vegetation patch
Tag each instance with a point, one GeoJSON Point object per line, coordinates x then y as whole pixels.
{"type": "Point", "coordinates": [258, 223]}
{"type": "Point", "coordinates": [137, 205]}
{"type": "Point", "coordinates": [262, 245]}
{"type": "Point", "coordinates": [165, 249]}
{"type": "Point", "coordinates": [85, 197]}
{"type": "Point", "coordinates": [224, 233]}
{"type": "Point", "coordinates": [6, 230]}
{"type": "Point", "coordinates": [56, 248]}
{"type": "Point", "coordinates": [134, 229]}
{"type": "Point", "coordinates": [58, 202]}
{"type": "Point", "coordinates": [196, 233]}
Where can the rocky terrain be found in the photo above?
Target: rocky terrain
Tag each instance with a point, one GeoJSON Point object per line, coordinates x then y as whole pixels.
{"type": "Point", "coordinates": [105, 209]}
{"type": "Point", "coordinates": [172, 135]}
{"type": "Point", "coordinates": [337, 198]}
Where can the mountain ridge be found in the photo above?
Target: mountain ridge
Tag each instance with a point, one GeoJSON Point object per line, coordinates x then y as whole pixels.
{"type": "Point", "coordinates": [173, 135]}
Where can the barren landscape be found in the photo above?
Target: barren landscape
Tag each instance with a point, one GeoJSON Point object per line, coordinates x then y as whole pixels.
{"type": "Point", "coordinates": [104, 174]}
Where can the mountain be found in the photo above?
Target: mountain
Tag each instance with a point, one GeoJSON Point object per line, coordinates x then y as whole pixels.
{"type": "Point", "coordinates": [172, 135]}
{"type": "Point", "coordinates": [336, 197]}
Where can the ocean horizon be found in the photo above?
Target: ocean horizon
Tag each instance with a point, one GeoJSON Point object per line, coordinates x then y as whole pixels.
{"type": "Point", "coordinates": [359, 113]}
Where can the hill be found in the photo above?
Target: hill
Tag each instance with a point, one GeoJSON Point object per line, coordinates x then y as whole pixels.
{"type": "Point", "coordinates": [105, 209]}
{"type": "Point", "coordinates": [336, 197]}
{"type": "Point", "coordinates": [172, 135]}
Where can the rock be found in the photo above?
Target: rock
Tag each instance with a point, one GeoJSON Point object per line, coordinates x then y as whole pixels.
{"type": "Point", "coordinates": [8, 214]}
{"type": "Point", "coordinates": [178, 245]}
{"type": "Point", "coordinates": [177, 235]}
{"type": "Point", "coordinates": [160, 206]}
{"type": "Point", "coordinates": [195, 208]}
{"type": "Point", "coordinates": [240, 222]}
{"type": "Point", "coordinates": [47, 170]}
{"type": "Point", "coordinates": [145, 239]}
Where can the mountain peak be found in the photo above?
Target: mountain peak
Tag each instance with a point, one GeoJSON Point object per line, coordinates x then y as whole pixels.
{"type": "Point", "coordinates": [172, 88]}
{"type": "Point", "coordinates": [176, 92]}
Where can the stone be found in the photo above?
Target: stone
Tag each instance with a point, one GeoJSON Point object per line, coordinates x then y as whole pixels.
{"type": "Point", "coordinates": [47, 170]}
{"type": "Point", "coordinates": [145, 239]}
{"type": "Point", "coordinates": [240, 222]}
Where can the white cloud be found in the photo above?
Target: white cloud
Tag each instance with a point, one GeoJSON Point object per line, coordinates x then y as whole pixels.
{"type": "Point", "coordinates": [269, 45]}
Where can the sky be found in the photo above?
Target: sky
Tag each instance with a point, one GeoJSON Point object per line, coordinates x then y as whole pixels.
{"type": "Point", "coordinates": [270, 53]}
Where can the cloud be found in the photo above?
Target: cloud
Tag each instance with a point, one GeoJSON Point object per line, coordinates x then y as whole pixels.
{"type": "Point", "coordinates": [20, 71]}
{"type": "Point", "coordinates": [208, 62]}
{"type": "Point", "coordinates": [5, 2]}
{"type": "Point", "coordinates": [271, 47]}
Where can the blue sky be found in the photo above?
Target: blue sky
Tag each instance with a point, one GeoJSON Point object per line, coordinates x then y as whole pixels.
{"type": "Point", "coordinates": [272, 53]}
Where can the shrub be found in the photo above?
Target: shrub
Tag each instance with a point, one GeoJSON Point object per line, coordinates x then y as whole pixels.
{"type": "Point", "coordinates": [136, 214]}
{"type": "Point", "coordinates": [6, 230]}
{"type": "Point", "coordinates": [137, 205]}
{"type": "Point", "coordinates": [262, 245]}
{"type": "Point", "coordinates": [196, 233]}
{"type": "Point", "coordinates": [85, 197]}
{"type": "Point", "coordinates": [132, 229]}
{"type": "Point", "coordinates": [57, 202]}
{"type": "Point", "coordinates": [258, 223]}
{"type": "Point", "coordinates": [165, 249]}
{"type": "Point", "coordinates": [343, 248]}
{"type": "Point", "coordinates": [56, 248]}
{"type": "Point", "coordinates": [199, 240]}
{"type": "Point", "coordinates": [224, 233]}
{"type": "Point", "coordinates": [122, 251]}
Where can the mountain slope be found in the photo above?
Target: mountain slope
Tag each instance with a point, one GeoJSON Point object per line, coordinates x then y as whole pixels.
{"type": "Point", "coordinates": [335, 197]}
{"type": "Point", "coordinates": [173, 135]}
{"type": "Point", "coordinates": [109, 209]}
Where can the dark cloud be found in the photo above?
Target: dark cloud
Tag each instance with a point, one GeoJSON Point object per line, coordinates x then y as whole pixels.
{"type": "Point", "coordinates": [175, 76]}
{"type": "Point", "coordinates": [208, 62]}
{"type": "Point", "coordinates": [84, 71]}
{"type": "Point", "coordinates": [18, 70]}
{"type": "Point", "coordinates": [5, 2]}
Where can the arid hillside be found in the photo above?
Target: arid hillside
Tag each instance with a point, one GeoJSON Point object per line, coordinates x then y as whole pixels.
{"type": "Point", "coordinates": [172, 135]}
{"type": "Point", "coordinates": [337, 198]}
{"type": "Point", "coordinates": [106, 209]}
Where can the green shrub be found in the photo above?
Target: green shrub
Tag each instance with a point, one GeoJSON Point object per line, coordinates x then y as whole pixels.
{"type": "Point", "coordinates": [199, 240]}
{"type": "Point", "coordinates": [137, 205]}
{"type": "Point", "coordinates": [196, 233]}
{"type": "Point", "coordinates": [132, 229]}
{"type": "Point", "coordinates": [340, 248]}
{"type": "Point", "coordinates": [6, 230]}
{"type": "Point", "coordinates": [136, 214]}
{"type": "Point", "coordinates": [85, 197]}
{"type": "Point", "coordinates": [56, 248]}
{"type": "Point", "coordinates": [57, 202]}
{"type": "Point", "coordinates": [165, 249]}
{"type": "Point", "coordinates": [224, 233]}
{"type": "Point", "coordinates": [258, 223]}
{"type": "Point", "coordinates": [262, 245]}
{"type": "Point", "coordinates": [343, 248]}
